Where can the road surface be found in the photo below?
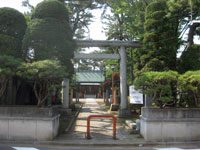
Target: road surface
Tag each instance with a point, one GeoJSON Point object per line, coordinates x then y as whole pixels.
{"type": "Point", "coordinates": [90, 148]}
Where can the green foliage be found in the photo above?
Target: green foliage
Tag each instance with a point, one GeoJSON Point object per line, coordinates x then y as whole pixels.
{"type": "Point", "coordinates": [159, 43]}
{"type": "Point", "coordinates": [49, 35]}
{"type": "Point", "coordinates": [158, 23]}
{"type": "Point", "coordinates": [49, 47]}
{"type": "Point", "coordinates": [44, 70]}
{"type": "Point", "coordinates": [46, 76]}
{"type": "Point", "coordinates": [8, 66]}
{"type": "Point", "coordinates": [189, 85]}
{"type": "Point", "coordinates": [190, 59]}
{"type": "Point", "coordinates": [10, 46]}
{"type": "Point", "coordinates": [170, 88]}
{"type": "Point", "coordinates": [80, 15]}
{"type": "Point", "coordinates": [12, 23]}
{"type": "Point", "coordinates": [50, 9]}
{"type": "Point", "coordinates": [190, 80]}
{"type": "Point", "coordinates": [8, 69]}
{"type": "Point", "coordinates": [181, 9]}
{"type": "Point", "coordinates": [122, 23]}
{"type": "Point", "coordinates": [12, 30]}
{"type": "Point", "coordinates": [161, 85]}
{"type": "Point", "coordinates": [50, 39]}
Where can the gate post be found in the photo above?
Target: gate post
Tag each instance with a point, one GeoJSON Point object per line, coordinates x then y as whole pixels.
{"type": "Point", "coordinates": [65, 93]}
{"type": "Point", "coordinates": [123, 84]}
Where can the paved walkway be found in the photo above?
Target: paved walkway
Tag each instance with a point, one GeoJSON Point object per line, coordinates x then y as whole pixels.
{"type": "Point", "coordinates": [101, 128]}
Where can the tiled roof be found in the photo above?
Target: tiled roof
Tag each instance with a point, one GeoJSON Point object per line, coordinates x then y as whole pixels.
{"type": "Point", "coordinates": [90, 76]}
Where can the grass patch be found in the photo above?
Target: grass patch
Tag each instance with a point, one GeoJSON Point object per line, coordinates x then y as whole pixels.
{"type": "Point", "coordinates": [64, 123]}
{"type": "Point", "coordinates": [66, 120]}
{"type": "Point", "coordinates": [107, 107]}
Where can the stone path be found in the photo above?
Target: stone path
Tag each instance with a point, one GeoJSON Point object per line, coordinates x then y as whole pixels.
{"type": "Point", "coordinates": [100, 128]}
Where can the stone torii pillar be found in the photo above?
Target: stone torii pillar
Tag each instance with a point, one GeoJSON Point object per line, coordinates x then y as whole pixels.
{"type": "Point", "coordinates": [123, 83]}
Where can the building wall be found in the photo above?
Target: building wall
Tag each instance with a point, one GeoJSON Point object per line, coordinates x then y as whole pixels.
{"type": "Point", "coordinates": [88, 90]}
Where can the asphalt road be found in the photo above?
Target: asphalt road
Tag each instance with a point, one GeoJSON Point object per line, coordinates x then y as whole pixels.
{"type": "Point", "coordinates": [90, 148]}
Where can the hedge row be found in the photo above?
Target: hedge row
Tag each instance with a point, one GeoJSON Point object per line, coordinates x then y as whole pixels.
{"type": "Point", "coordinates": [170, 88]}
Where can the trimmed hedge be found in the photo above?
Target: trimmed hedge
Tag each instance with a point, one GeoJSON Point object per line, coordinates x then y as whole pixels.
{"type": "Point", "coordinates": [170, 88]}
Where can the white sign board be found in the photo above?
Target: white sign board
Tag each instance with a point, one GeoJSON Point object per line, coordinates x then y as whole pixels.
{"type": "Point", "coordinates": [135, 96]}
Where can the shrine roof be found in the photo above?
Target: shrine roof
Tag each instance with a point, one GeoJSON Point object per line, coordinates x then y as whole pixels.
{"type": "Point", "coordinates": [92, 76]}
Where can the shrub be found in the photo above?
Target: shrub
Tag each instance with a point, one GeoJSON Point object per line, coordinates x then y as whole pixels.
{"type": "Point", "coordinates": [12, 29]}
{"type": "Point", "coordinates": [190, 59]}
{"type": "Point", "coordinates": [46, 75]}
{"type": "Point", "coordinates": [161, 85]}
{"type": "Point", "coordinates": [8, 69]}
{"type": "Point", "coordinates": [189, 88]}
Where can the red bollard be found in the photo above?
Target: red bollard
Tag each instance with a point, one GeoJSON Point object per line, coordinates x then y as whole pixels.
{"type": "Point", "coordinates": [101, 116]}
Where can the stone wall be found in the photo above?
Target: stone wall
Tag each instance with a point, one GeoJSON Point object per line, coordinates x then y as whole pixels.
{"type": "Point", "coordinates": [28, 111]}
{"type": "Point", "coordinates": [171, 124]}
{"type": "Point", "coordinates": [28, 123]}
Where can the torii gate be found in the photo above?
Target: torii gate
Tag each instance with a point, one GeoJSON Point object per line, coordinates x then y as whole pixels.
{"type": "Point", "coordinates": [122, 56]}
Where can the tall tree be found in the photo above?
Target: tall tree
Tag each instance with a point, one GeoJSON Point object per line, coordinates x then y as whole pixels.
{"type": "Point", "coordinates": [12, 29]}
{"type": "Point", "coordinates": [160, 39]}
{"type": "Point", "coordinates": [49, 35]}
{"type": "Point", "coordinates": [80, 15]}
{"type": "Point", "coordinates": [187, 13]}
{"type": "Point", "coordinates": [125, 22]}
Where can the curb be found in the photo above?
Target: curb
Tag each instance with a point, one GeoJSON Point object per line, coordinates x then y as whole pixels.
{"type": "Point", "coordinates": [121, 144]}
{"type": "Point", "coordinates": [73, 120]}
{"type": "Point", "coordinates": [90, 143]}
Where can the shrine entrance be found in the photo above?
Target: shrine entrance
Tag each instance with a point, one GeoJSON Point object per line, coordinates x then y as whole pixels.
{"type": "Point", "coordinates": [88, 84]}
{"type": "Point", "coordinates": [122, 56]}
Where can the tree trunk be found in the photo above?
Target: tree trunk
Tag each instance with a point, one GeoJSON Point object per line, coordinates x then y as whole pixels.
{"type": "Point", "coordinates": [132, 75]}
{"type": "Point", "coordinates": [195, 98]}
{"type": "Point", "coordinates": [39, 95]}
{"type": "Point", "coordinates": [3, 87]}
{"type": "Point", "coordinates": [191, 34]}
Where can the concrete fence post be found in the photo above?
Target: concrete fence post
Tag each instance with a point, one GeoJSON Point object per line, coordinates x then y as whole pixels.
{"type": "Point", "coordinates": [65, 93]}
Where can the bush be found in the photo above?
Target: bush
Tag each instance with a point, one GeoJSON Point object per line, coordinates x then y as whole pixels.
{"type": "Point", "coordinates": [50, 9]}
{"type": "Point", "coordinates": [46, 76]}
{"type": "Point", "coordinates": [12, 23]}
{"type": "Point", "coordinates": [12, 29]}
{"type": "Point", "coordinates": [170, 88]}
{"type": "Point", "coordinates": [161, 85]}
{"type": "Point", "coordinates": [49, 35]}
{"type": "Point", "coordinates": [189, 89]}
{"type": "Point", "coordinates": [190, 59]}
{"type": "Point", "coordinates": [8, 70]}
